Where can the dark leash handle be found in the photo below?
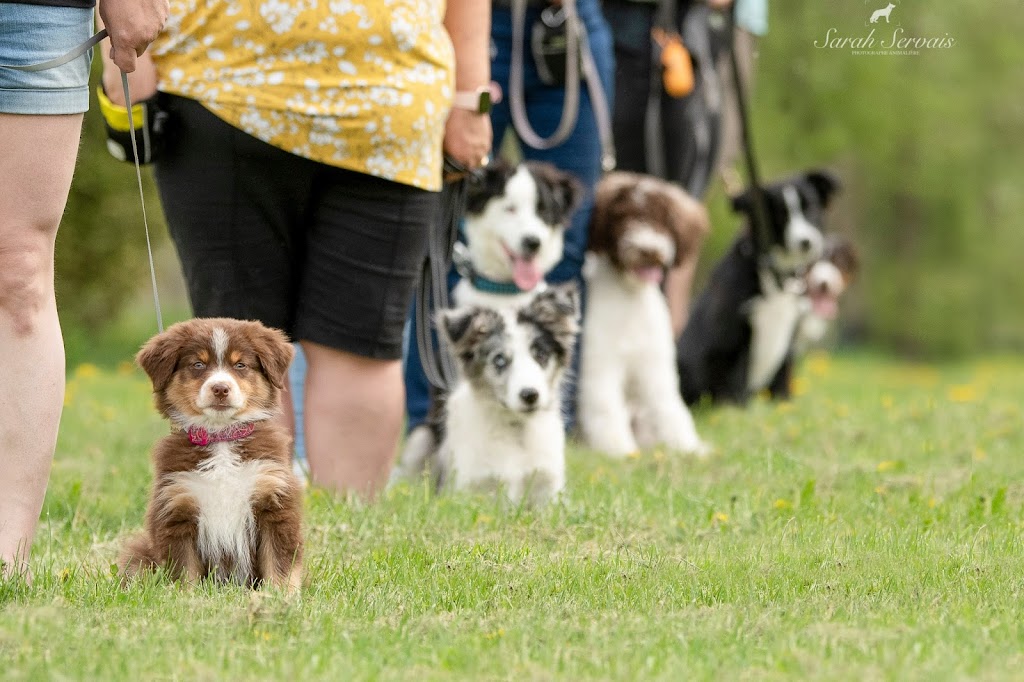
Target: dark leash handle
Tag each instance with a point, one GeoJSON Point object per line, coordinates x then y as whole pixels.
{"type": "Point", "coordinates": [759, 215]}
{"type": "Point", "coordinates": [432, 292]}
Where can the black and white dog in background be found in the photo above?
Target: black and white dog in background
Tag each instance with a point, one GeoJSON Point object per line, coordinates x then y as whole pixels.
{"type": "Point", "coordinates": [514, 227]}
{"type": "Point", "coordinates": [740, 335]}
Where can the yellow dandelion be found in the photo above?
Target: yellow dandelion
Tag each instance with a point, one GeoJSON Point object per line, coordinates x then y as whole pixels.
{"type": "Point", "coordinates": [86, 370]}
{"type": "Point", "coordinates": [887, 402]}
{"type": "Point", "coordinates": [659, 455]}
{"type": "Point", "coordinates": [880, 490]}
{"type": "Point", "coordinates": [887, 465]}
{"type": "Point", "coordinates": [962, 393]}
{"type": "Point", "coordinates": [483, 519]}
{"type": "Point", "coordinates": [818, 363]}
{"type": "Point", "coordinates": [932, 502]}
{"type": "Point", "coordinates": [65, 575]}
{"type": "Point", "coordinates": [784, 407]}
{"type": "Point", "coordinates": [979, 455]}
{"type": "Point", "coordinates": [69, 395]}
{"type": "Point", "coordinates": [782, 504]}
{"type": "Point", "coordinates": [842, 411]}
{"type": "Point", "coordinates": [799, 386]}
{"type": "Point", "coordinates": [721, 517]}
{"type": "Point", "coordinates": [124, 367]}
{"type": "Point", "coordinates": [633, 455]}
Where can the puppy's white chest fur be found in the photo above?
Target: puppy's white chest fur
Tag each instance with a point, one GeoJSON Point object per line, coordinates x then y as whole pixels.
{"type": "Point", "coordinates": [488, 447]}
{"type": "Point", "coordinates": [773, 319]}
{"type": "Point", "coordinates": [222, 487]}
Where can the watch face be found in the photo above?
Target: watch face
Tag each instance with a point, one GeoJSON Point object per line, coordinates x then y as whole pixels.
{"type": "Point", "coordinates": [484, 104]}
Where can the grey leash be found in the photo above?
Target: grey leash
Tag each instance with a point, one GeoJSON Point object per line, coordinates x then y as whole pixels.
{"type": "Point", "coordinates": [578, 54]}
{"type": "Point", "coordinates": [73, 54]}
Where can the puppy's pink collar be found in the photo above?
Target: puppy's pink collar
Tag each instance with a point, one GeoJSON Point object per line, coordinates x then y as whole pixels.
{"type": "Point", "coordinates": [197, 435]}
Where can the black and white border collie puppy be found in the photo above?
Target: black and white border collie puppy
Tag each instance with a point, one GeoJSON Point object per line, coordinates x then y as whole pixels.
{"type": "Point", "coordinates": [503, 428]}
{"type": "Point", "coordinates": [629, 387]}
{"type": "Point", "coordinates": [827, 280]}
{"type": "Point", "coordinates": [739, 338]}
{"type": "Point", "coordinates": [515, 223]}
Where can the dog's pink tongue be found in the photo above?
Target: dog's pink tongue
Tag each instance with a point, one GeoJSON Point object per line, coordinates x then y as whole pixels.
{"type": "Point", "coordinates": [652, 274]}
{"type": "Point", "coordinates": [825, 306]}
{"type": "Point", "coordinates": [525, 273]}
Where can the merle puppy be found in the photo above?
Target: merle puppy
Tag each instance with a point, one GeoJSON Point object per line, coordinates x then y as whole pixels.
{"type": "Point", "coordinates": [739, 338]}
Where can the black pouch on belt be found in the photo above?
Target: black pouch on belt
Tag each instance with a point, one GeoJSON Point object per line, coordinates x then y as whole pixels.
{"type": "Point", "coordinates": [549, 45]}
{"type": "Point", "coordinates": [150, 128]}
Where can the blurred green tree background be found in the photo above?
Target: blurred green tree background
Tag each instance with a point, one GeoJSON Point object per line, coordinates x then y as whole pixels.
{"type": "Point", "coordinates": [929, 147]}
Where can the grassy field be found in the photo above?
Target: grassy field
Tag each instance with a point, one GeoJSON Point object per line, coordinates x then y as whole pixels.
{"type": "Point", "coordinates": [871, 529]}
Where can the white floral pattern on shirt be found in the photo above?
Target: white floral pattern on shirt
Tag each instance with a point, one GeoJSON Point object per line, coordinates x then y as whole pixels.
{"type": "Point", "coordinates": [360, 84]}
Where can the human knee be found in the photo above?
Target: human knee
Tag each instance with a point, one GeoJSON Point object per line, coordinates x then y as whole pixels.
{"type": "Point", "coordinates": [26, 281]}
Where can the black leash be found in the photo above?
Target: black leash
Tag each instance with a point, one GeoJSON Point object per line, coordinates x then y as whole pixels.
{"type": "Point", "coordinates": [432, 293]}
{"type": "Point", "coordinates": [759, 214]}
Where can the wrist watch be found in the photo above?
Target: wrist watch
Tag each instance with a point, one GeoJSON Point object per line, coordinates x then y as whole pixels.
{"type": "Point", "coordinates": [477, 101]}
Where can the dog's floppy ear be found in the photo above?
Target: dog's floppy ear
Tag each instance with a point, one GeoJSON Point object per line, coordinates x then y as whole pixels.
{"type": "Point", "coordinates": [843, 253]}
{"type": "Point", "coordinates": [158, 358]}
{"type": "Point", "coordinates": [825, 183]}
{"type": "Point", "coordinates": [488, 183]}
{"type": "Point", "coordinates": [463, 328]}
{"type": "Point", "coordinates": [560, 193]}
{"type": "Point", "coordinates": [273, 350]}
{"type": "Point", "coordinates": [688, 220]}
{"type": "Point", "coordinates": [556, 310]}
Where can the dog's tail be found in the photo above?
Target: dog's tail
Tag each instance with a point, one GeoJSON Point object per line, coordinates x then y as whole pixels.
{"type": "Point", "coordinates": [137, 557]}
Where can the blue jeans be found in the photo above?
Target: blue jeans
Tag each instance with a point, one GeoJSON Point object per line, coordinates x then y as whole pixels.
{"type": "Point", "coordinates": [580, 155]}
{"type": "Point", "coordinates": [38, 33]}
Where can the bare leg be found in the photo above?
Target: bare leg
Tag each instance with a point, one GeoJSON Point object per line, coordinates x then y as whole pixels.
{"type": "Point", "coordinates": [36, 167]}
{"type": "Point", "coordinates": [354, 410]}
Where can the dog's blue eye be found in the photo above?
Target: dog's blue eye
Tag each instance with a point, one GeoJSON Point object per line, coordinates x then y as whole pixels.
{"type": "Point", "coordinates": [198, 365]}
{"type": "Point", "coordinates": [239, 365]}
{"type": "Point", "coordinates": [500, 362]}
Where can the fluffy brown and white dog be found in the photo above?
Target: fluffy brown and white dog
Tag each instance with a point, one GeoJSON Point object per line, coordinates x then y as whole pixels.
{"type": "Point", "coordinates": [826, 280]}
{"type": "Point", "coordinates": [224, 503]}
{"type": "Point", "coordinates": [629, 388]}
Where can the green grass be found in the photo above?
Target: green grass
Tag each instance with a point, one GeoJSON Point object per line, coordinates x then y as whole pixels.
{"type": "Point", "coordinates": [871, 529]}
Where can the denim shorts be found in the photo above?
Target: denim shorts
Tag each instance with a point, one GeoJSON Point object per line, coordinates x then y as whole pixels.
{"type": "Point", "coordinates": [36, 33]}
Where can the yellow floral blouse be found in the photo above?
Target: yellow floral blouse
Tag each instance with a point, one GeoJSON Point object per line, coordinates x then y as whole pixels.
{"type": "Point", "coordinates": [360, 84]}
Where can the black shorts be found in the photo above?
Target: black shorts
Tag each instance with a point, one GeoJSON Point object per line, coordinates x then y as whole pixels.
{"type": "Point", "coordinates": [325, 254]}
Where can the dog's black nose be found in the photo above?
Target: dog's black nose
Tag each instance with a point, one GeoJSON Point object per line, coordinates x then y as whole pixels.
{"type": "Point", "coordinates": [220, 390]}
{"type": "Point", "coordinates": [530, 245]}
{"type": "Point", "coordinates": [805, 245]}
{"type": "Point", "coordinates": [529, 396]}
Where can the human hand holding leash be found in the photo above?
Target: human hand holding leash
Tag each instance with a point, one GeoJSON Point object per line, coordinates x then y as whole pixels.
{"type": "Point", "coordinates": [132, 25]}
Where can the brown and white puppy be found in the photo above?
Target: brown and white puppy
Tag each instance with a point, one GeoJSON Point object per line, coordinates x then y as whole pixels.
{"type": "Point", "coordinates": [826, 280]}
{"type": "Point", "coordinates": [224, 503]}
{"type": "Point", "coordinates": [629, 388]}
